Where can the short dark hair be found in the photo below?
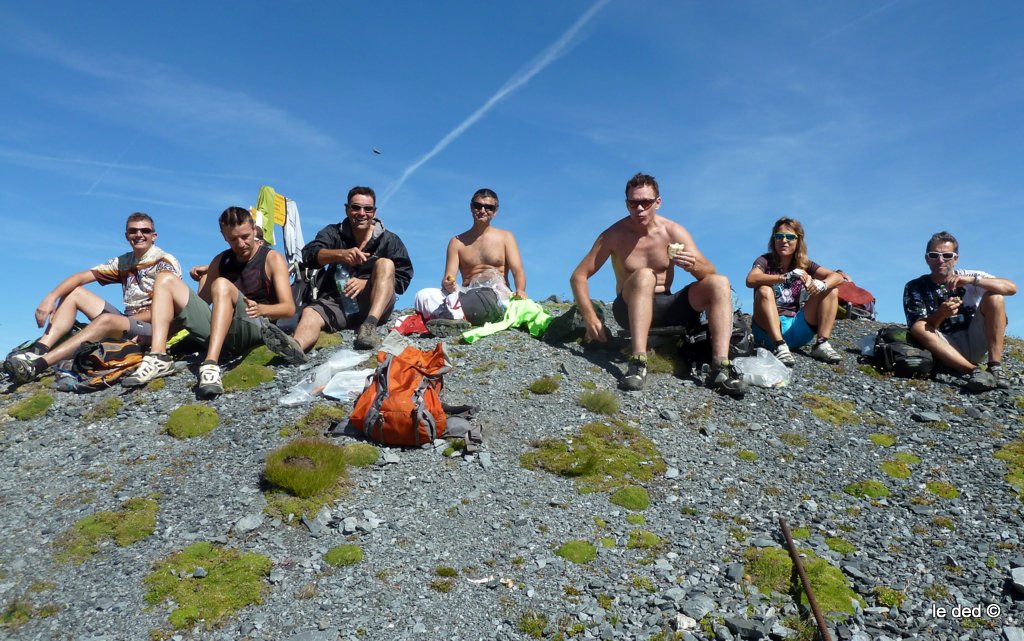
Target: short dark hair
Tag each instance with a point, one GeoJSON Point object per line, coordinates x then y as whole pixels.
{"type": "Point", "coordinates": [235, 216]}
{"type": "Point", "coordinates": [942, 237]}
{"type": "Point", "coordinates": [140, 215]}
{"type": "Point", "coordinates": [642, 180]}
{"type": "Point", "coordinates": [484, 192]}
{"type": "Point", "coordinates": [361, 191]}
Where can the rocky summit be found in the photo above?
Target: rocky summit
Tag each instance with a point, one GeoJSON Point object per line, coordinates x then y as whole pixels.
{"type": "Point", "coordinates": [587, 513]}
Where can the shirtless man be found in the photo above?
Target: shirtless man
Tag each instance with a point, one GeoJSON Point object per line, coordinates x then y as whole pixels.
{"type": "Point", "coordinates": [246, 284]}
{"type": "Point", "coordinates": [484, 256]}
{"type": "Point", "coordinates": [644, 262]}
{"type": "Point", "coordinates": [136, 271]}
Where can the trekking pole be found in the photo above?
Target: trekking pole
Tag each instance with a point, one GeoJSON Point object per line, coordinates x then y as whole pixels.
{"type": "Point", "coordinates": [793, 554]}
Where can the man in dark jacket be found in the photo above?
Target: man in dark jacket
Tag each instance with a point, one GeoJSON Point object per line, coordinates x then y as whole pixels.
{"type": "Point", "coordinates": [377, 265]}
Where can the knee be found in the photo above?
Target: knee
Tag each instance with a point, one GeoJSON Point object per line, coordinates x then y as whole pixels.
{"type": "Point", "coordinates": [163, 278]}
{"type": "Point", "coordinates": [107, 322]}
{"type": "Point", "coordinates": [384, 268]}
{"type": "Point", "coordinates": [764, 293]}
{"type": "Point", "coordinates": [222, 288]}
{"type": "Point", "coordinates": [643, 278]}
{"type": "Point", "coordinates": [310, 319]}
{"type": "Point", "coordinates": [994, 302]}
{"type": "Point", "coordinates": [719, 285]}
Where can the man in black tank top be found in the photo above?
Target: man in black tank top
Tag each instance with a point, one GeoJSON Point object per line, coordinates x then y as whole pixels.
{"type": "Point", "coordinates": [247, 286]}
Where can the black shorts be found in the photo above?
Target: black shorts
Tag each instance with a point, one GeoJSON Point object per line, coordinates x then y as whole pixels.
{"type": "Point", "coordinates": [335, 320]}
{"type": "Point", "coordinates": [669, 309]}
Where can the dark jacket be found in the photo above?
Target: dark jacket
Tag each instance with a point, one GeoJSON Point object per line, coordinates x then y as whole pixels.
{"type": "Point", "coordinates": [383, 244]}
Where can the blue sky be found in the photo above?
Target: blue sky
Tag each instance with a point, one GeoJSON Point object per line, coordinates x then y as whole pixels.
{"type": "Point", "coordinates": [874, 123]}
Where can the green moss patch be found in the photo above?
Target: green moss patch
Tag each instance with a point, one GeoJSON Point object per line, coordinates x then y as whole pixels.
{"type": "Point", "coordinates": [532, 624]}
{"type": "Point", "coordinates": [643, 540]}
{"type": "Point", "coordinates": [189, 421]}
{"type": "Point", "coordinates": [599, 402]}
{"type": "Point", "coordinates": [343, 555]}
{"type": "Point", "coordinates": [327, 341]}
{"type": "Point", "coordinates": [665, 359]}
{"type": "Point", "coordinates": [228, 581]}
{"type": "Point", "coordinates": [133, 522]}
{"type": "Point", "coordinates": [252, 371]}
{"type": "Point", "coordinates": [577, 551]}
{"type": "Point", "coordinates": [636, 519]}
{"type": "Point", "coordinates": [156, 385]}
{"type": "Point", "coordinates": [793, 439]}
{"type": "Point", "coordinates": [631, 497]}
{"type": "Point", "coordinates": [840, 545]}
{"type": "Point", "coordinates": [896, 469]}
{"type": "Point", "coordinates": [32, 407]}
{"type": "Point", "coordinates": [942, 489]}
{"type": "Point", "coordinates": [771, 570]}
{"type": "Point", "coordinates": [908, 458]}
{"type": "Point", "coordinates": [747, 455]}
{"type": "Point", "coordinates": [830, 410]}
{"type": "Point", "coordinates": [884, 440]}
{"type": "Point", "coordinates": [361, 454]}
{"type": "Point", "coordinates": [889, 597]}
{"type": "Point", "coordinates": [107, 408]}
{"type": "Point", "coordinates": [867, 489]}
{"type": "Point", "coordinates": [603, 456]}
{"type": "Point", "coordinates": [545, 384]}
{"type": "Point", "coordinates": [316, 421]}
{"type": "Point", "coordinates": [1013, 455]}
{"type": "Point", "coordinates": [305, 467]}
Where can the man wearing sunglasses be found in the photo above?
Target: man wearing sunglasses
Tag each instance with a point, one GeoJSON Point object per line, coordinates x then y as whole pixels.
{"type": "Point", "coordinates": [483, 256]}
{"type": "Point", "coordinates": [959, 315]}
{"type": "Point", "coordinates": [644, 262]}
{"type": "Point", "coordinates": [135, 271]}
{"type": "Point", "coordinates": [379, 268]}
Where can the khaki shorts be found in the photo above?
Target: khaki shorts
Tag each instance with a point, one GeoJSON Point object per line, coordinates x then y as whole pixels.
{"type": "Point", "coordinates": [242, 333]}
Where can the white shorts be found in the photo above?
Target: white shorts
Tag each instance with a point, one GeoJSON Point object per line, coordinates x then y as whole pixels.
{"type": "Point", "coordinates": [971, 342]}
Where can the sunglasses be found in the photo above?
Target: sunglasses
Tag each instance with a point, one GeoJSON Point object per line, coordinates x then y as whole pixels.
{"type": "Point", "coordinates": [642, 203]}
{"type": "Point", "coordinates": [782, 236]}
{"type": "Point", "coordinates": [367, 208]}
{"type": "Point", "coordinates": [138, 230]}
{"type": "Point", "coordinates": [488, 208]}
{"type": "Point", "coordinates": [942, 255]}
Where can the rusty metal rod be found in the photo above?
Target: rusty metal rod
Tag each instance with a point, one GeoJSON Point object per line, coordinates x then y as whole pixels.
{"type": "Point", "coordinates": [793, 554]}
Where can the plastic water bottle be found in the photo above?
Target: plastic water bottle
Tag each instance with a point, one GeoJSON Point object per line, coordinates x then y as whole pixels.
{"type": "Point", "coordinates": [341, 276]}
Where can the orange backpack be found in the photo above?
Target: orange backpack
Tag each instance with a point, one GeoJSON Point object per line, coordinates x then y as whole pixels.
{"type": "Point", "coordinates": [401, 405]}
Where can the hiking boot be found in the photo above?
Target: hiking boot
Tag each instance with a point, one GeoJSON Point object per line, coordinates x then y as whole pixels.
{"type": "Point", "coordinates": [636, 373]}
{"type": "Point", "coordinates": [978, 380]}
{"type": "Point", "coordinates": [153, 366]}
{"type": "Point", "coordinates": [209, 380]}
{"type": "Point", "coordinates": [22, 367]}
{"type": "Point", "coordinates": [366, 337]}
{"type": "Point", "coordinates": [723, 378]}
{"type": "Point", "coordinates": [784, 355]}
{"type": "Point", "coordinates": [448, 327]}
{"type": "Point", "coordinates": [281, 343]}
{"type": "Point", "coordinates": [826, 354]}
{"type": "Point", "coordinates": [1002, 379]}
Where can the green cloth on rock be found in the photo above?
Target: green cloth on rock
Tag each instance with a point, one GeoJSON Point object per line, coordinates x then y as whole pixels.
{"type": "Point", "coordinates": [520, 312]}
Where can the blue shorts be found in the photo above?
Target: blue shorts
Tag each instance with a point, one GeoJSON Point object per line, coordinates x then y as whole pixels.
{"type": "Point", "coordinates": [795, 331]}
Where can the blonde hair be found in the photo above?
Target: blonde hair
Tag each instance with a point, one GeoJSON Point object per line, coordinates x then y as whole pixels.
{"type": "Point", "coordinates": [800, 259]}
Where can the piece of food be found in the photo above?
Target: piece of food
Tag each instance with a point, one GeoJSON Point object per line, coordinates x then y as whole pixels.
{"type": "Point", "coordinates": [676, 248]}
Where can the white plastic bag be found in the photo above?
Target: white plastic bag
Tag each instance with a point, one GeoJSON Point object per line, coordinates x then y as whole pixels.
{"type": "Point", "coordinates": [763, 369]}
{"type": "Point", "coordinates": [314, 382]}
{"type": "Point", "coordinates": [348, 384]}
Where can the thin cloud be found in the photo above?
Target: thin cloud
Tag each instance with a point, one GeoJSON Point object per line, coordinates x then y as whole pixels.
{"type": "Point", "coordinates": [853, 23]}
{"type": "Point", "coordinates": [516, 82]}
{"type": "Point", "coordinates": [30, 159]}
{"type": "Point", "coordinates": [164, 95]}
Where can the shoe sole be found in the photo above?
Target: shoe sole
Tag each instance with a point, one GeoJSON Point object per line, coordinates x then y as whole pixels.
{"type": "Point", "coordinates": [207, 391]}
{"type": "Point", "coordinates": [281, 344]}
{"type": "Point", "coordinates": [132, 382]}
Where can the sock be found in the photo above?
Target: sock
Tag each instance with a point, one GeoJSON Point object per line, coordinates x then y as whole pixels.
{"type": "Point", "coordinates": [992, 364]}
{"type": "Point", "coordinates": [779, 344]}
{"type": "Point", "coordinates": [820, 340]}
{"type": "Point", "coordinates": [162, 356]}
{"type": "Point", "coordinates": [209, 362]}
{"type": "Point", "coordinates": [371, 321]}
{"type": "Point", "coordinates": [40, 365]}
{"type": "Point", "coordinates": [39, 349]}
{"type": "Point", "coordinates": [639, 357]}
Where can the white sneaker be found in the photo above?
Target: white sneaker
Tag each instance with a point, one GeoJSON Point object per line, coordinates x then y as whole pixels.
{"type": "Point", "coordinates": [209, 380]}
{"type": "Point", "coordinates": [826, 354]}
{"type": "Point", "coordinates": [151, 367]}
{"type": "Point", "coordinates": [784, 355]}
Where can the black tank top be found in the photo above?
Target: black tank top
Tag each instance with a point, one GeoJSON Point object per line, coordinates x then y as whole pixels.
{"type": "Point", "coordinates": [250, 277]}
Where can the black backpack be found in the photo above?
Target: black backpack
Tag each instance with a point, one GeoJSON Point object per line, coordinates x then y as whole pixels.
{"type": "Point", "coordinates": [894, 353]}
{"type": "Point", "coordinates": [695, 345]}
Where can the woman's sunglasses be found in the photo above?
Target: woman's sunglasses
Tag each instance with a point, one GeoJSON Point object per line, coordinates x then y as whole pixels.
{"type": "Point", "coordinates": [782, 236]}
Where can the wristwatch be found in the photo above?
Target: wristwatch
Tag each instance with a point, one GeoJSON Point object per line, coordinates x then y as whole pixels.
{"type": "Point", "coordinates": [976, 279]}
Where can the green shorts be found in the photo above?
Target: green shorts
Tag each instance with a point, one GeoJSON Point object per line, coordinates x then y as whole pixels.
{"type": "Point", "coordinates": [243, 334]}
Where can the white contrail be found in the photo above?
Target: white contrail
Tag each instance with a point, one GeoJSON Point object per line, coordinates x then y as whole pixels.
{"type": "Point", "coordinates": [515, 82]}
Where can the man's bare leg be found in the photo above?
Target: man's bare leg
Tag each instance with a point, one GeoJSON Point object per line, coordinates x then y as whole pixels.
{"type": "Point", "coordinates": [307, 332]}
{"type": "Point", "coordinates": [638, 294]}
{"type": "Point", "coordinates": [170, 296]}
{"type": "Point", "coordinates": [714, 296]}
{"type": "Point", "coordinates": [225, 296]}
{"type": "Point", "coordinates": [63, 318]}
{"type": "Point", "coordinates": [106, 325]}
{"type": "Point", "coordinates": [993, 309]}
{"type": "Point", "coordinates": [382, 287]}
